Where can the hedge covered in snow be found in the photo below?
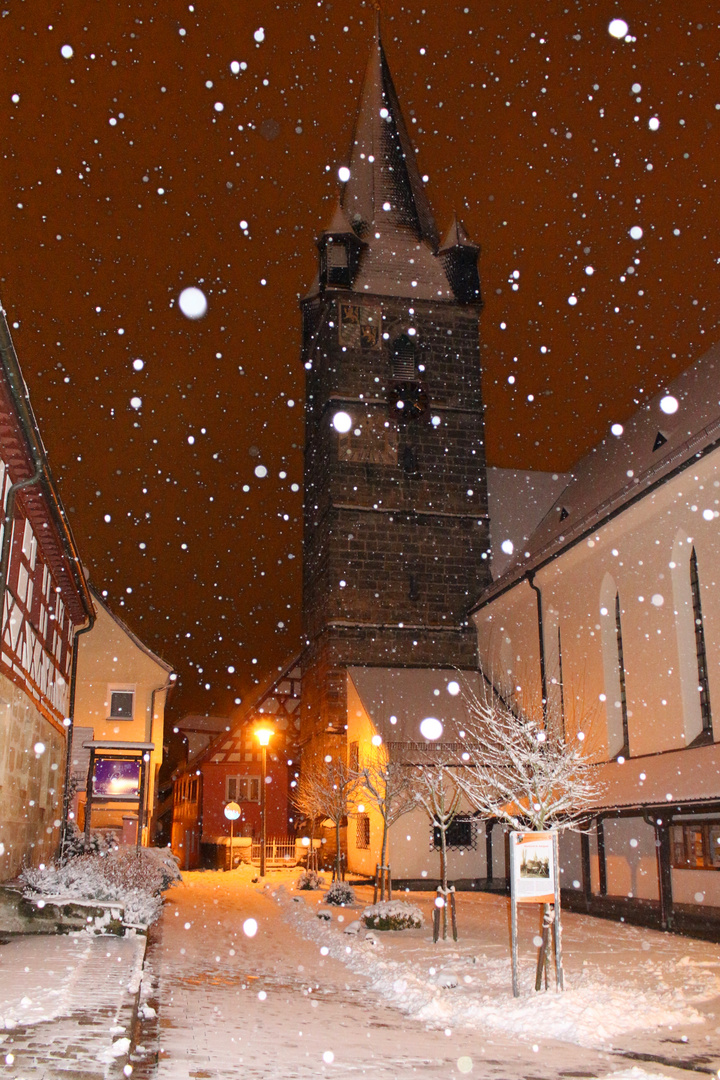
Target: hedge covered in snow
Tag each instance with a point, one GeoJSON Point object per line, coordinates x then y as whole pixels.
{"type": "Point", "coordinates": [393, 915]}
{"type": "Point", "coordinates": [135, 879]}
{"type": "Point", "coordinates": [340, 893]}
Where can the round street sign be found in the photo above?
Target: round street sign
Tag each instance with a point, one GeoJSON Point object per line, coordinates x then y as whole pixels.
{"type": "Point", "coordinates": [232, 811]}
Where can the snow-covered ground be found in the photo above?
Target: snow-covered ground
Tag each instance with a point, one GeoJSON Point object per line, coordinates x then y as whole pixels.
{"type": "Point", "coordinates": [271, 989]}
{"type": "Point", "coordinates": [618, 978]}
{"type": "Point", "coordinates": [66, 1004]}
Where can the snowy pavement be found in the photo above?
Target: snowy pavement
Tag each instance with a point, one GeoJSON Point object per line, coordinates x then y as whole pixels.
{"type": "Point", "coordinates": [67, 1005]}
{"type": "Point", "coordinates": [243, 980]}
{"type": "Point", "coordinates": [301, 998]}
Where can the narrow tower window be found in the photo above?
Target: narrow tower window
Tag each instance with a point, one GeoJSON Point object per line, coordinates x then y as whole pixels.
{"type": "Point", "coordinates": [703, 684]}
{"type": "Point", "coordinates": [625, 750]}
{"type": "Point", "coordinates": [404, 367]}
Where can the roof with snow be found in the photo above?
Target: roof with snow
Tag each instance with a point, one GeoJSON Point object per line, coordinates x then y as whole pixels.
{"type": "Point", "coordinates": [398, 700]}
{"type": "Point", "coordinates": [664, 436]}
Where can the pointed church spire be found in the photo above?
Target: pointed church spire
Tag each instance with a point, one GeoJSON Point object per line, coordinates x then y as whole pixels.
{"type": "Point", "coordinates": [457, 236]}
{"type": "Point", "coordinates": [385, 188]}
{"type": "Point", "coordinates": [460, 259]}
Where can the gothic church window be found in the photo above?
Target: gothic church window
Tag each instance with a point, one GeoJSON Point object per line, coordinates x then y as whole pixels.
{"type": "Point", "coordinates": [625, 749]}
{"type": "Point", "coordinates": [703, 683]}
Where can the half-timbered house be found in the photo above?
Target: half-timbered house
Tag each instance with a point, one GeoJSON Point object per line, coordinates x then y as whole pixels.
{"type": "Point", "coordinates": [45, 602]}
{"type": "Point", "coordinates": [229, 770]}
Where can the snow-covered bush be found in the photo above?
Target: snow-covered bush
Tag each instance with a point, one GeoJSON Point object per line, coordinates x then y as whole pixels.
{"type": "Point", "coordinates": [310, 879]}
{"type": "Point", "coordinates": [340, 893]}
{"type": "Point", "coordinates": [99, 842]}
{"type": "Point", "coordinates": [393, 915]}
{"type": "Point", "coordinates": [135, 879]}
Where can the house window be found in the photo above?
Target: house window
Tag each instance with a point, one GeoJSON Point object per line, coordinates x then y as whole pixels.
{"type": "Point", "coordinates": [703, 684]}
{"type": "Point", "coordinates": [461, 833]}
{"type": "Point", "coordinates": [696, 847]}
{"type": "Point", "coordinates": [242, 789]}
{"type": "Point", "coordinates": [625, 749]}
{"type": "Point", "coordinates": [121, 704]}
{"type": "Point", "coordinates": [362, 831]}
{"type": "Point", "coordinates": [354, 757]}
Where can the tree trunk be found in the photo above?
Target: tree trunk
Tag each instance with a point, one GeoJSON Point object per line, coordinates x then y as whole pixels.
{"type": "Point", "coordinates": [443, 859]}
{"type": "Point", "coordinates": [443, 870]}
{"type": "Point", "coordinates": [337, 849]}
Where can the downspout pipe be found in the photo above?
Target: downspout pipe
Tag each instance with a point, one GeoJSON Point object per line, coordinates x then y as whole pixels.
{"type": "Point", "coordinates": [70, 727]}
{"type": "Point", "coordinates": [541, 642]}
{"type": "Point", "coordinates": [148, 738]}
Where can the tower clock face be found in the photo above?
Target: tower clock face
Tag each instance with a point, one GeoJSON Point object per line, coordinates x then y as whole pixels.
{"type": "Point", "coordinates": [408, 401]}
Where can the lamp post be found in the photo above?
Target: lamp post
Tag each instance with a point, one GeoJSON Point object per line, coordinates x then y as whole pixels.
{"type": "Point", "coordinates": [263, 736]}
{"type": "Point", "coordinates": [232, 813]}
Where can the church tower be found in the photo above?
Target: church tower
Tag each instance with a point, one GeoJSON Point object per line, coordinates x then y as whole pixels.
{"type": "Point", "coordinates": [395, 513]}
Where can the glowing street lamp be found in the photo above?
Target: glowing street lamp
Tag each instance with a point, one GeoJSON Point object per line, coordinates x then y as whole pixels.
{"type": "Point", "coordinates": [263, 736]}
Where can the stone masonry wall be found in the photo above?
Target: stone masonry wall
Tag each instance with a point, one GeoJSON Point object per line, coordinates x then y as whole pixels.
{"type": "Point", "coordinates": [31, 784]}
{"type": "Point", "coordinates": [396, 528]}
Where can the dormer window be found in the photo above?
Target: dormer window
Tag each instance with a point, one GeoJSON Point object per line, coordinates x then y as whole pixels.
{"type": "Point", "coordinates": [339, 257]}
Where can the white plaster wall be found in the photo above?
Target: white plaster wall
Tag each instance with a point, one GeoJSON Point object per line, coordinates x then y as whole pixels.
{"type": "Point", "coordinates": [413, 857]}
{"type": "Point", "coordinates": [499, 851]}
{"type": "Point", "coordinates": [508, 646]}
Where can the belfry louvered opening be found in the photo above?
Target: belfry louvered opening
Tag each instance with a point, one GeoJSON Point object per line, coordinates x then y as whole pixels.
{"type": "Point", "coordinates": [404, 359]}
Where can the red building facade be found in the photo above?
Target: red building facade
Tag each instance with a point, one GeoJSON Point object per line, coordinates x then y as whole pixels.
{"type": "Point", "coordinates": [230, 770]}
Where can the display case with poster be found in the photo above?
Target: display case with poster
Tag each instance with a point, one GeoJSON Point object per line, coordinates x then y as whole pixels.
{"type": "Point", "coordinates": [116, 778]}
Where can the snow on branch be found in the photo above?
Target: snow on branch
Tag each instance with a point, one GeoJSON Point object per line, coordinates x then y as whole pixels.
{"type": "Point", "coordinates": [387, 786]}
{"type": "Point", "coordinates": [523, 769]}
{"type": "Point", "coordinates": [326, 789]}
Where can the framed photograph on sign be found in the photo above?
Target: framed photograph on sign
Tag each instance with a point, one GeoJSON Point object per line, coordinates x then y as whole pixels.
{"type": "Point", "coordinates": [533, 867]}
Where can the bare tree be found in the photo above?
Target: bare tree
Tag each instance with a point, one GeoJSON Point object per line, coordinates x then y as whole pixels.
{"type": "Point", "coordinates": [437, 790]}
{"type": "Point", "coordinates": [306, 799]}
{"type": "Point", "coordinates": [327, 788]}
{"type": "Point", "coordinates": [387, 786]}
{"type": "Point", "coordinates": [523, 769]}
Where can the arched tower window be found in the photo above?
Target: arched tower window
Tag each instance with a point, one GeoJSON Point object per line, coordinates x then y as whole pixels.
{"type": "Point", "coordinates": [702, 667]}
{"type": "Point", "coordinates": [408, 397]}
